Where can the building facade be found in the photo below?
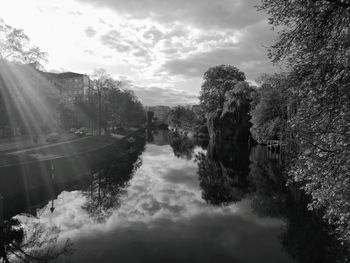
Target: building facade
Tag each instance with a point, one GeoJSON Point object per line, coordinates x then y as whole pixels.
{"type": "Point", "coordinates": [72, 86]}
{"type": "Point", "coordinates": [160, 113]}
{"type": "Point", "coordinates": [73, 89]}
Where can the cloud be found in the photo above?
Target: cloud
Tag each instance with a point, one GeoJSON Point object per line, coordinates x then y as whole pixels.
{"type": "Point", "coordinates": [203, 238]}
{"type": "Point", "coordinates": [134, 50]}
{"type": "Point", "coordinates": [249, 54]}
{"type": "Point", "coordinates": [164, 96]}
{"type": "Point", "coordinates": [90, 52]}
{"type": "Point", "coordinates": [154, 34]}
{"type": "Point", "coordinates": [201, 13]}
{"type": "Point", "coordinates": [179, 176]}
{"type": "Point", "coordinates": [252, 63]}
{"type": "Point", "coordinates": [182, 39]}
{"type": "Point", "coordinates": [90, 31]}
{"type": "Point", "coordinates": [113, 40]}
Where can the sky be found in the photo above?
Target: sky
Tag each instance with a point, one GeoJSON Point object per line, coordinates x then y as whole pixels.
{"type": "Point", "coordinates": [160, 48]}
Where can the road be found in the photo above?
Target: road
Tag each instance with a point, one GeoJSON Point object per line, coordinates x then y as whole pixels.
{"type": "Point", "coordinates": [19, 143]}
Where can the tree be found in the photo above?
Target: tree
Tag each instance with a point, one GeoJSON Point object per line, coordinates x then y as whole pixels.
{"type": "Point", "coordinates": [222, 173]}
{"type": "Point", "coordinates": [183, 147]}
{"type": "Point", "coordinates": [115, 105]}
{"type": "Point", "coordinates": [269, 108]}
{"type": "Point", "coordinates": [217, 81]}
{"type": "Point", "coordinates": [32, 241]}
{"type": "Point", "coordinates": [314, 44]}
{"type": "Point", "coordinates": [182, 117]}
{"type": "Point", "coordinates": [15, 46]}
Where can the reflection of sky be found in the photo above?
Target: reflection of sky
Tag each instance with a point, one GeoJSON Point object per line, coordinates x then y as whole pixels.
{"type": "Point", "coordinates": [162, 218]}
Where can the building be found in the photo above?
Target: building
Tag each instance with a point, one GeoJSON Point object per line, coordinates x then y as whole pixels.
{"type": "Point", "coordinates": [160, 113]}
{"type": "Point", "coordinates": [72, 86]}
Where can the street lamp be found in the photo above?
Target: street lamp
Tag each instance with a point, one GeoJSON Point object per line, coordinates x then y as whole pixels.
{"type": "Point", "coordinates": [99, 110]}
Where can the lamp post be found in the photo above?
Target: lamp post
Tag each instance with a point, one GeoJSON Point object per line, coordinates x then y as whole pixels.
{"type": "Point", "coordinates": [1, 212]}
{"type": "Point", "coordinates": [91, 123]}
{"type": "Point", "coordinates": [99, 111]}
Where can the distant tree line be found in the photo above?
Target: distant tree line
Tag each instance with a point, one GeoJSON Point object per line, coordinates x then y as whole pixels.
{"type": "Point", "coordinates": [182, 117]}
{"type": "Point", "coordinates": [111, 104]}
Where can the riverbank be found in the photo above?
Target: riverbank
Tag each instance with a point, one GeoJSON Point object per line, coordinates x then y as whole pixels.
{"type": "Point", "coordinates": [25, 142]}
{"type": "Point", "coordinates": [63, 149]}
{"type": "Point", "coordinates": [60, 164]}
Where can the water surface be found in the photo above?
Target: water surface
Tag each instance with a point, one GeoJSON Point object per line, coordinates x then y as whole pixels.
{"type": "Point", "coordinates": [173, 200]}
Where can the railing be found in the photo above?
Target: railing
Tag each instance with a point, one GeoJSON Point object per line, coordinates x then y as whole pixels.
{"type": "Point", "coordinates": [274, 144]}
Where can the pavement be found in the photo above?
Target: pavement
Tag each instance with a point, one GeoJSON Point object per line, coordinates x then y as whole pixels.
{"type": "Point", "coordinates": [47, 145]}
{"type": "Point", "coordinates": [23, 149]}
{"type": "Point", "coordinates": [18, 143]}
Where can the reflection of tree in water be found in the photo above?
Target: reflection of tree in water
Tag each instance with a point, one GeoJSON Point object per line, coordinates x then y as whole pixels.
{"type": "Point", "coordinates": [222, 173]}
{"type": "Point", "coordinates": [109, 183]}
{"type": "Point", "coordinates": [203, 143]}
{"type": "Point", "coordinates": [149, 135]}
{"type": "Point", "coordinates": [305, 237]}
{"type": "Point", "coordinates": [182, 146]}
{"type": "Point", "coordinates": [268, 187]}
{"type": "Point", "coordinates": [226, 175]}
{"type": "Point", "coordinates": [32, 242]}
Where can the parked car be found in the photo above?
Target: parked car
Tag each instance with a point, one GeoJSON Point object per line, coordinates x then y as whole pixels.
{"type": "Point", "coordinates": [82, 131]}
{"type": "Point", "coordinates": [73, 130]}
{"type": "Point", "coordinates": [131, 140]}
{"type": "Point", "coordinates": [53, 137]}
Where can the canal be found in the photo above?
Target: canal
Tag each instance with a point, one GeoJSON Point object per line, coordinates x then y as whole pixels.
{"type": "Point", "coordinates": [169, 199]}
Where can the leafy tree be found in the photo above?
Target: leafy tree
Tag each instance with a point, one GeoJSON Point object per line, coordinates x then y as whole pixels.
{"type": "Point", "coordinates": [222, 173]}
{"type": "Point", "coordinates": [304, 236]}
{"type": "Point", "coordinates": [314, 43]}
{"type": "Point", "coordinates": [217, 81]}
{"type": "Point", "coordinates": [182, 117]}
{"type": "Point", "coordinates": [182, 146]}
{"type": "Point", "coordinates": [119, 106]}
{"type": "Point", "coordinates": [32, 242]}
{"type": "Point", "coordinates": [269, 108]}
{"type": "Point", "coordinates": [15, 46]}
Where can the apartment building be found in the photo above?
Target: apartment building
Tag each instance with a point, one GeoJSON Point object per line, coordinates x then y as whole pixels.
{"type": "Point", "coordinates": [160, 113]}
{"type": "Point", "coordinates": [72, 86]}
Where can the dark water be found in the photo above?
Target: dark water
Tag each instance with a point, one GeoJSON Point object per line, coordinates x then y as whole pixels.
{"type": "Point", "coordinates": [170, 200]}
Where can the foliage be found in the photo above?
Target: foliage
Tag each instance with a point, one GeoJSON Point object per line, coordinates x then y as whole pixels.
{"type": "Point", "coordinates": [222, 173]}
{"type": "Point", "coordinates": [182, 117]}
{"type": "Point", "coordinates": [269, 108]}
{"type": "Point", "coordinates": [232, 121]}
{"type": "Point", "coordinates": [182, 146]}
{"type": "Point", "coordinates": [15, 46]}
{"type": "Point", "coordinates": [314, 44]}
{"type": "Point", "coordinates": [305, 237]}
{"type": "Point", "coordinates": [32, 242]}
{"type": "Point", "coordinates": [217, 81]}
{"type": "Point", "coordinates": [119, 106]}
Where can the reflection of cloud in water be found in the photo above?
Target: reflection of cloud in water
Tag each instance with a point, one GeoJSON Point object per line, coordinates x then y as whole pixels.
{"type": "Point", "coordinates": [162, 212]}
